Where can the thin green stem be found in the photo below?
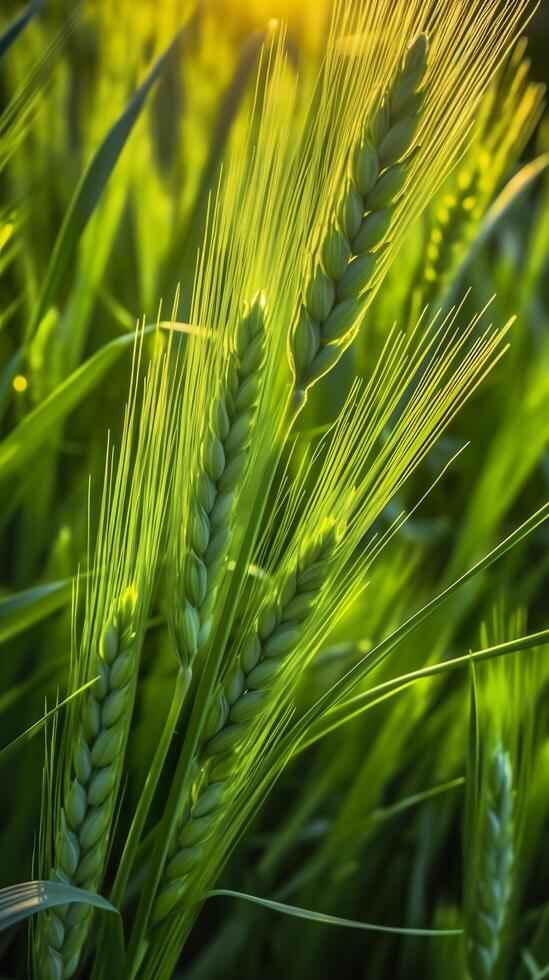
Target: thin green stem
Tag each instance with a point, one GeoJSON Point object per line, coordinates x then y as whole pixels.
{"type": "Point", "coordinates": [367, 699]}
{"type": "Point", "coordinates": [134, 836]}
{"type": "Point", "coordinates": [333, 698]}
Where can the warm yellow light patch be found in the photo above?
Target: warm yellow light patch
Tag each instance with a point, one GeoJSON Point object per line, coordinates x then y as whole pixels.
{"type": "Point", "coordinates": [20, 383]}
{"type": "Point", "coordinates": [5, 234]}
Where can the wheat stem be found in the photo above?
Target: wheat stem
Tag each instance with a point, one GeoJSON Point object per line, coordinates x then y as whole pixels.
{"type": "Point", "coordinates": [242, 696]}
{"type": "Point", "coordinates": [89, 799]}
{"type": "Point", "coordinates": [343, 267]}
{"type": "Point", "coordinates": [223, 459]}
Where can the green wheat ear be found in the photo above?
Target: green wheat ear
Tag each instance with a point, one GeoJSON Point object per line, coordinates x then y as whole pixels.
{"type": "Point", "coordinates": [90, 794]}
{"type": "Point", "coordinates": [223, 459]}
{"type": "Point", "coordinates": [455, 220]}
{"type": "Point", "coordinates": [495, 859]}
{"type": "Point", "coordinates": [342, 269]}
{"type": "Point", "coordinates": [242, 696]}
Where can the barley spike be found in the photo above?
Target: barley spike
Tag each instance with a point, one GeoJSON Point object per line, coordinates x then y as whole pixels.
{"type": "Point", "coordinates": [454, 225]}
{"type": "Point", "coordinates": [495, 874]}
{"type": "Point", "coordinates": [342, 268]}
{"type": "Point", "coordinates": [223, 459]}
{"type": "Point", "coordinates": [89, 798]}
{"type": "Point", "coordinates": [241, 697]}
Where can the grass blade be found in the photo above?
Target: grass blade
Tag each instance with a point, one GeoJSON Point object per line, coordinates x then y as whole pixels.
{"type": "Point", "coordinates": [28, 437]}
{"type": "Point", "coordinates": [17, 743]}
{"type": "Point", "coordinates": [328, 920]}
{"type": "Point", "coordinates": [354, 706]}
{"type": "Point", "coordinates": [14, 29]}
{"type": "Point", "coordinates": [512, 193]}
{"type": "Point", "coordinates": [333, 698]}
{"type": "Point", "coordinates": [18, 902]}
{"type": "Point", "coordinates": [92, 184]}
{"type": "Point", "coordinates": [22, 610]}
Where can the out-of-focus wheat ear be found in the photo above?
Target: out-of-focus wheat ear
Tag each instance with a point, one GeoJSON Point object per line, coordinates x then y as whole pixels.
{"type": "Point", "coordinates": [454, 225]}
{"type": "Point", "coordinates": [507, 117]}
{"type": "Point", "coordinates": [85, 817]}
{"type": "Point", "coordinates": [342, 268]}
{"type": "Point", "coordinates": [223, 458]}
{"type": "Point", "coordinates": [243, 695]}
{"type": "Point", "coordinates": [495, 864]}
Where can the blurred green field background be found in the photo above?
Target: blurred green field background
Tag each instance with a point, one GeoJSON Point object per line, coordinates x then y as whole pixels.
{"type": "Point", "coordinates": [368, 825]}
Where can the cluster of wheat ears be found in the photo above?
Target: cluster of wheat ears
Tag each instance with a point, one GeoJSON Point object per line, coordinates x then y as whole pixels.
{"type": "Point", "coordinates": [254, 535]}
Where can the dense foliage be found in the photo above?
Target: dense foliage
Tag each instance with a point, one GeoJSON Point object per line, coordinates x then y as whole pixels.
{"type": "Point", "coordinates": [274, 409]}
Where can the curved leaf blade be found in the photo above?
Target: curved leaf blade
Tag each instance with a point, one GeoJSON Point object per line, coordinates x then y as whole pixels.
{"type": "Point", "coordinates": [328, 920]}
{"type": "Point", "coordinates": [19, 902]}
{"type": "Point", "coordinates": [332, 708]}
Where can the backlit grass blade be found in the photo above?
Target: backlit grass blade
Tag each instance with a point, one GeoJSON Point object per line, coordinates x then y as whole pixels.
{"type": "Point", "coordinates": [511, 196]}
{"type": "Point", "coordinates": [18, 902]}
{"type": "Point", "coordinates": [8, 751]}
{"type": "Point", "coordinates": [328, 920]}
{"type": "Point", "coordinates": [90, 189]}
{"type": "Point", "coordinates": [29, 436]}
{"type": "Point", "coordinates": [375, 695]}
{"type": "Point", "coordinates": [336, 695]}
{"type": "Point", "coordinates": [22, 610]}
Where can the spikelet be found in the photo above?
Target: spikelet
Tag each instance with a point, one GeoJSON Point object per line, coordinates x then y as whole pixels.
{"type": "Point", "coordinates": [508, 116]}
{"type": "Point", "coordinates": [395, 107]}
{"type": "Point", "coordinates": [202, 545]}
{"type": "Point", "coordinates": [385, 429]}
{"type": "Point", "coordinates": [85, 816]}
{"type": "Point", "coordinates": [496, 859]}
{"type": "Point", "coordinates": [273, 210]}
{"type": "Point", "coordinates": [344, 265]}
{"type": "Point", "coordinates": [117, 602]}
{"type": "Point", "coordinates": [498, 781]}
{"type": "Point", "coordinates": [241, 699]}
